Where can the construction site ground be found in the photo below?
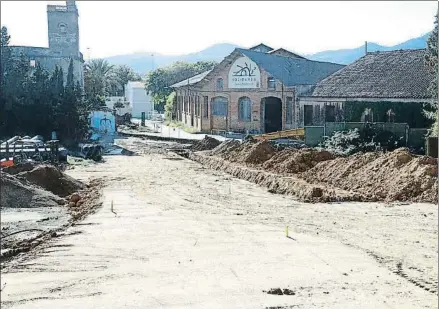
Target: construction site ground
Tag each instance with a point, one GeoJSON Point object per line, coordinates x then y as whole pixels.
{"type": "Point", "coordinates": [173, 233]}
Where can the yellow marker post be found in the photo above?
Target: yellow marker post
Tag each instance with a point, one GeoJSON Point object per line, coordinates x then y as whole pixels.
{"type": "Point", "coordinates": [286, 231]}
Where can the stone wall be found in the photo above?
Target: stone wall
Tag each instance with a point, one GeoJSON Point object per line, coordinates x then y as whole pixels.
{"type": "Point", "coordinates": [63, 32]}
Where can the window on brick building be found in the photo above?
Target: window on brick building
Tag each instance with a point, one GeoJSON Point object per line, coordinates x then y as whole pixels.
{"type": "Point", "coordinates": [289, 110]}
{"type": "Point", "coordinates": [330, 113]}
{"type": "Point", "coordinates": [206, 107]}
{"type": "Point", "coordinates": [271, 83]}
{"type": "Point", "coordinates": [245, 109]}
{"type": "Point", "coordinates": [219, 84]}
{"type": "Point", "coordinates": [219, 106]}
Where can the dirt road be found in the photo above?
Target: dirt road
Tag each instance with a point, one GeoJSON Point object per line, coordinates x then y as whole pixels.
{"type": "Point", "coordinates": [182, 236]}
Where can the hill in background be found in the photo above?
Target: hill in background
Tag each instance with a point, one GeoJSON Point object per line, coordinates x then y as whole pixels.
{"type": "Point", "coordinates": [145, 62]}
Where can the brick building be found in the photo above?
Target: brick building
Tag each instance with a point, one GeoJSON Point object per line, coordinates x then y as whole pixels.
{"type": "Point", "coordinates": [251, 90]}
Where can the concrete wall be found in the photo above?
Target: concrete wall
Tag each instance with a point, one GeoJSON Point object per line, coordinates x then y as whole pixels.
{"type": "Point", "coordinates": [110, 101]}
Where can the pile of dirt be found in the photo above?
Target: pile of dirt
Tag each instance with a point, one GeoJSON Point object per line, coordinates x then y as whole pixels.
{"type": "Point", "coordinates": [296, 160]}
{"type": "Point", "coordinates": [207, 143]}
{"type": "Point", "coordinates": [256, 153]}
{"type": "Point", "coordinates": [392, 176]}
{"type": "Point", "coordinates": [250, 152]}
{"type": "Point", "coordinates": [52, 179]}
{"type": "Point", "coordinates": [226, 147]}
{"type": "Point", "coordinates": [16, 193]}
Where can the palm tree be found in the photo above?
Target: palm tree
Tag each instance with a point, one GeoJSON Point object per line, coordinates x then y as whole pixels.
{"type": "Point", "coordinates": [99, 77]}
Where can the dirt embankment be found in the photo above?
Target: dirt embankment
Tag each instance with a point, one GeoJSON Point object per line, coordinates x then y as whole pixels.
{"type": "Point", "coordinates": [392, 176]}
{"type": "Point", "coordinates": [30, 189]}
{"type": "Point", "coordinates": [207, 143]}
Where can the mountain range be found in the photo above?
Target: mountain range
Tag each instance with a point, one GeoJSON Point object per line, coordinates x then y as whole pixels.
{"type": "Point", "coordinates": [144, 62]}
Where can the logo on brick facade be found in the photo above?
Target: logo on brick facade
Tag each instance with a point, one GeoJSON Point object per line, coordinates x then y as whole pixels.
{"type": "Point", "coordinates": [244, 73]}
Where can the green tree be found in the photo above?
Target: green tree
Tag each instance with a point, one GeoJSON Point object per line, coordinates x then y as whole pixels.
{"type": "Point", "coordinates": [431, 60]}
{"type": "Point", "coordinates": [123, 74]}
{"type": "Point", "coordinates": [171, 106]}
{"type": "Point", "coordinates": [158, 82]}
{"type": "Point", "coordinates": [32, 101]}
{"type": "Point", "coordinates": [98, 78]}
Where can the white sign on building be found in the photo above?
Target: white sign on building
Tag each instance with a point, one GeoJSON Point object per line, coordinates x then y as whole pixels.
{"type": "Point", "coordinates": [244, 73]}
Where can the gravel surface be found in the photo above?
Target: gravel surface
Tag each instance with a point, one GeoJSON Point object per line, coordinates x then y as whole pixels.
{"type": "Point", "coordinates": [172, 233]}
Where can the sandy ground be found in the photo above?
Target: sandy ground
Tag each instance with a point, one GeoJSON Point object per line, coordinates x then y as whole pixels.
{"type": "Point", "coordinates": [183, 236]}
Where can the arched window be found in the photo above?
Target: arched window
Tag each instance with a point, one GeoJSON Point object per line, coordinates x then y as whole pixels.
{"type": "Point", "coordinates": [219, 106]}
{"type": "Point", "coordinates": [390, 115]}
{"type": "Point", "coordinates": [245, 109]}
{"type": "Point", "coordinates": [219, 84]}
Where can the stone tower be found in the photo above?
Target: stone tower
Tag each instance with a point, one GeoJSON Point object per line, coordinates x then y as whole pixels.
{"type": "Point", "coordinates": [63, 29]}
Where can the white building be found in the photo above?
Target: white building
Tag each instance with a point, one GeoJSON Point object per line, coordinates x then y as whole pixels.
{"type": "Point", "coordinates": [139, 100]}
{"type": "Point", "coordinates": [110, 101]}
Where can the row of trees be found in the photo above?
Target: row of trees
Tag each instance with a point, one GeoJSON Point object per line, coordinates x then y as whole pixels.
{"type": "Point", "coordinates": [158, 82]}
{"type": "Point", "coordinates": [102, 79]}
{"type": "Point", "coordinates": [34, 102]}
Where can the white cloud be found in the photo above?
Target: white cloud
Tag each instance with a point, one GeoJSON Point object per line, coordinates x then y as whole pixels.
{"type": "Point", "coordinates": [117, 27]}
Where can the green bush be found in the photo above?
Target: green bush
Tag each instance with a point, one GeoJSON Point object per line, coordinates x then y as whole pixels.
{"type": "Point", "coordinates": [368, 139]}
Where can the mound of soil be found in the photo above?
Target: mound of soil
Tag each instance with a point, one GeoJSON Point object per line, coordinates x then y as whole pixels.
{"type": "Point", "coordinates": [256, 153]}
{"type": "Point", "coordinates": [392, 176]}
{"type": "Point", "coordinates": [20, 194]}
{"type": "Point", "coordinates": [52, 179]}
{"type": "Point", "coordinates": [207, 143]}
{"type": "Point", "coordinates": [250, 152]}
{"type": "Point", "coordinates": [296, 160]}
{"type": "Point", "coordinates": [226, 147]}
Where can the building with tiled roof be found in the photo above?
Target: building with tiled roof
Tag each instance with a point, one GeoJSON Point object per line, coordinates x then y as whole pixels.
{"type": "Point", "coordinates": [389, 86]}
{"type": "Point", "coordinates": [389, 74]}
{"type": "Point", "coordinates": [251, 90]}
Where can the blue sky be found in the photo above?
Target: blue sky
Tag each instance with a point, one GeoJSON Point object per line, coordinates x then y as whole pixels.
{"type": "Point", "coordinates": [117, 27]}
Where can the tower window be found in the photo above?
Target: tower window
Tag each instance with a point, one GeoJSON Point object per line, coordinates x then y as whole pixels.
{"type": "Point", "coordinates": [62, 28]}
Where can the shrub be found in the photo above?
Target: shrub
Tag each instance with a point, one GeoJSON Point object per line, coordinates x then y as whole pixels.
{"type": "Point", "coordinates": [344, 143]}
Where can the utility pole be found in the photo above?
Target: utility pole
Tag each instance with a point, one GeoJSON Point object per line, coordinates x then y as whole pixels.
{"type": "Point", "coordinates": [152, 62]}
{"type": "Point", "coordinates": [365, 47]}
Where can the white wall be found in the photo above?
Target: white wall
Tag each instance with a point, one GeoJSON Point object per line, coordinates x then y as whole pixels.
{"type": "Point", "coordinates": [139, 100]}
{"type": "Point", "coordinates": [110, 101]}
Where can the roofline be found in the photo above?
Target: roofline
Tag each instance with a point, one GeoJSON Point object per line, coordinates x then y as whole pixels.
{"type": "Point", "coordinates": [289, 51]}
{"type": "Point", "coordinates": [187, 79]}
{"type": "Point", "coordinates": [260, 45]}
{"type": "Point", "coordinates": [302, 59]}
{"type": "Point", "coordinates": [395, 50]}
{"type": "Point", "coordinates": [25, 46]}
{"type": "Point", "coordinates": [365, 99]}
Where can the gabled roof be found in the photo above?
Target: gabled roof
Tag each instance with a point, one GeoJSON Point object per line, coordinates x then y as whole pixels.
{"type": "Point", "coordinates": [289, 71]}
{"type": "Point", "coordinates": [292, 71]}
{"type": "Point", "coordinates": [191, 80]}
{"type": "Point", "coordinates": [285, 53]}
{"type": "Point", "coordinates": [261, 48]}
{"type": "Point", "coordinates": [390, 74]}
